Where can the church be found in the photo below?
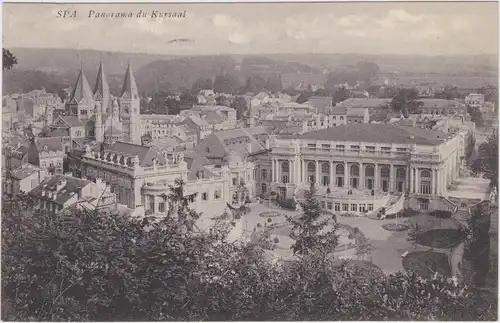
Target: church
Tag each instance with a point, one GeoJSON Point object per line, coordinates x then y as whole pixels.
{"type": "Point", "coordinates": [102, 116]}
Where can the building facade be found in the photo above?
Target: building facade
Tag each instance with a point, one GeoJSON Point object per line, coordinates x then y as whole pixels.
{"type": "Point", "coordinates": [361, 162]}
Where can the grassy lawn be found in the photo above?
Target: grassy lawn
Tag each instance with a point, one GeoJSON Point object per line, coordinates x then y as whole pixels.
{"type": "Point", "coordinates": [426, 263]}
{"type": "Point", "coordinates": [440, 238]}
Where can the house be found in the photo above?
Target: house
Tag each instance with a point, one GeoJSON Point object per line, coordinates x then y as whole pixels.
{"type": "Point", "coordinates": [320, 103]}
{"type": "Point", "coordinates": [60, 192]}
{"type": "Point", "coordinates": [303, 81]}
{"type": "Point", "coordinates": [47, 154]}
{"type": "Point", "coordinates": [23, 179]}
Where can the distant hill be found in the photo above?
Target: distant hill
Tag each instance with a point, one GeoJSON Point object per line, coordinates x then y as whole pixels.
{"type": "Point", "coordinates": [57, 68]}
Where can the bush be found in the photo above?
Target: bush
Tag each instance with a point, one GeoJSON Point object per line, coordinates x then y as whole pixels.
{"type": "Point", "coordinates": [259, 225]}
{"type": "Point", "coordinates": [269, 220]}
{"type": "Point", "coordinates": [276, 240]}
{"type": "Point", "coordinates": [406, 213]}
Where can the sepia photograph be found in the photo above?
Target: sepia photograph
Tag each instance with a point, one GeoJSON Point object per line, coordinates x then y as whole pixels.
{"type": "Point", "coordinates": [267, 161]}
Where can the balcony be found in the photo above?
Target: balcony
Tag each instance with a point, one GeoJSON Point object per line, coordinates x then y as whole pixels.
{"type": "Point", "coordinates": [354, 153]}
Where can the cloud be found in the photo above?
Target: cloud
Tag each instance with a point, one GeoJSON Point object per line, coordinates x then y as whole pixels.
{"type": "Point", "coordinates": [237, 38]}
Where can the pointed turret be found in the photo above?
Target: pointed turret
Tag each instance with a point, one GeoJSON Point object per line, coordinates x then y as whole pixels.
{"type": "Point", "coordinates": [129, 86]}
{"type": "Point", "coordinates": [101, 89]}
{"type": "Point", "coordinates": [82, 89]}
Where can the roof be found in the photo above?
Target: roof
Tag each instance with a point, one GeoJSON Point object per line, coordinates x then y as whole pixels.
{"type": "Point", "coordinates": [356, 112]}
{"type": "Point", "coordinates": [52, 144]}
{"type": "Point", "coordinates": [72, 121]}
{"type": "Point", "coordinates": [112, 131]}
{"type": "Point", "coordinates": [145, 154]}
{"type": "Point", "coordinates": [212, 117]}
{"type": "Point", "coordinates": [23, 172]}
{"type": "Point", "coordinates": [73, 186]}
{"type": "Point", "coordinates": [320, 103]}
{"type": "Point", "coordinates": [441, 103]}
{"type": "Point", "coordinates": [381, 133]}
{"type": "Point", "coordinates": [101, 83]}
{"type": "Point", "coordinates": [337, 111]}
{"type": "Point", "coordinates": [129, 85]}
{"type": "Point", "coordinates": [364, 103]}
{"type": "Point", "coordinates": [81, 89]}
{"type": "Point", "coordinates": [195, 164]}
{"type": "Point", "coordinates": [58, 132]}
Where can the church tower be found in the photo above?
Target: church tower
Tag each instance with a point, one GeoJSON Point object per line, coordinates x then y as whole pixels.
{"type": "Point", "coordinates": [81, 102]}
{"type": "Point", "coordinates": [130, 107]}
{"type": "Point", "coordinates": [98, 131]}
{"type": "Point", "coordinates": [101, 91]}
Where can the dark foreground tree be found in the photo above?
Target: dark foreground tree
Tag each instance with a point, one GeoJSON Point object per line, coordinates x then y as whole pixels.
{"type": "Point", "coordinates": [84, 266]}
{"type": "Point", "coordinates": [406, 101]}
{"type": "Point", "coordinates": [314, 230]}
{"type": "Point", "coordinates": [8, 60]}
{"type": "Point", "coordinates": [486, 163]}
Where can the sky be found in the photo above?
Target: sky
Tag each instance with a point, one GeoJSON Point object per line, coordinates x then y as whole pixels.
{"type": "Point", "coordinates": [421, 28]}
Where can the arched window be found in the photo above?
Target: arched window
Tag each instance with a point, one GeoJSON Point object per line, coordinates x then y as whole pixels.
{"type": "Point", "coordinates": [354, 178]}
{"type": "Point", "coordinates": [385, 172]}
{"type": "Point", "coordinates": [325, 173]}
{"type": "Point", "coordinates": [339, 177]}
{"type": "Point", "coordinates": [369, 176]}
{"type": "Point", "coordinates": [311, 172]}
{"type": "Point", "coordinates": [339, 169]}
{"type": "Point", "coordinates": [425, 182]}
{"type": "Point", "coordinates": [400, 179]}
{"type": "Point", "coordinates": [385, 175]}
{"type": "Point", "coordinates": [285, 172]}
{"type": "Point", "coordinates": [325, 168]}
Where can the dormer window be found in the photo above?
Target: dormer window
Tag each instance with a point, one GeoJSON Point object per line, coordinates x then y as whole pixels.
{"type": "Point", "coordinates": [45, 147]}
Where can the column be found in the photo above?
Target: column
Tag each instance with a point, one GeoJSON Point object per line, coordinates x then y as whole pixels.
{"type": "Point", "coordinates": [392, 179]}
{"type": "Point", "coordinates": [434, 181]}
{"type": "Point", "coordinates": [278, 170]}
{"type": "Point", "coordinates": [346, 175]}
{"type": "Point", "coordinates": [317, 173]}
{"type": "Point", "coordinates": [272, 170]}
{"type": "Point", "coordinates": [332, 173]}
{"type": "Point", "coordinates": [291, 171]}
{"type": "Point", "coordinates": [407, 178]}
{"type": "Point", "coordinates": [438, 182]}
{"type": "Point", "coordinates": [417, 180]}
{"type": "Point", "coordinates": [361, 183]}
{"type": "Point", "coordinates": [375, 177]}
{"type": "Point", "coordinates": [304, 173]}
{"type": "Point", "coordinates": [412, 180]}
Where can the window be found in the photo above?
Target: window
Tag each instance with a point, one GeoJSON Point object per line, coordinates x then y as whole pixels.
{"type": "Point", "coordinates": [370, 148]}
{"type": "Point", "coordinates": [337, 206]}
{"type": "Point", "coordinates": [340, 147]}
{"type": "Point", "coordinates": [341, 118]}
{"type": "Point", "coordinates": [401, 149]}
{"type": "Point", "coordinates": [355, 148]}
{"type": "Point", "coordinates": [263, 174]}
{"type": "Point", "coordinates": [334, 118]}
{"type": "Point", "coordinates": [425, 182]}
{"type": "Point", "coordinates": [423, 204]}
{"type": "Point", "coordinates": [285, 172]}
{"type": "Point", "coordinates": [362, 208]}
{"type": "Point", "coordinates": [323, 205]}
{"type": "Point", "coordinates": [311, 172]}
{"type": "Point", "coordinates": [330, 205]}
{"type": "Point", "coordinates": [354, 207]}
{"type": "Point", "coordinates": [235, 181]}
{"type": "Point", "coordinates": [325, 147]}
{"type": "Point", "coordinates": [370, 207]}
{"type": "Point", "coordinates": [161, 207]}
{"type": "Point", "coordinates": [311, 146]}
{"type": "Point", "coordinates": [216, 194]}
{"type": "Point", "coordinates": [204, 196]}
{"type": "Point", "coordinates": [345, 207]}
{"type": "Point", "coordinates": [151, 199]}
{"type": "Point", "coordinates": [386, 150]}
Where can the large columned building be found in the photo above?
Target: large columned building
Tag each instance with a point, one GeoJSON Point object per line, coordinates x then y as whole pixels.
{"type": "Point", "coordinates": [362, 167]}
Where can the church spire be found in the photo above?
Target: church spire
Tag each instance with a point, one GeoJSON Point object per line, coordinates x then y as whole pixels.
{"type": "Point", "coordinates": [101, 84]}
{"type": "Point", "coordinates": [81, 89]}
{"type": "Point", "coordinates": [129, 85]}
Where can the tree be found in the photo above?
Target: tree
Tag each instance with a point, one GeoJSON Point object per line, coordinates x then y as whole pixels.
{"type": "Point", "coordinates": [241, 107]}
{"type": "Point", "coordinates": [486, 163]}
{"type": "Point", "coordinates": [255, 84]}
{"type": "Point", "coordinates": [201, 84]}
{"type": "Point", "coordinates": [9, 60]}
{"type": "Point", "coordinates": [341, 94]}
{"type": "Point", "coordinates": [406, 101]}
{"type": "Point", "coordinates": [226, 83]}
{"type": "Point", "coordinates": [273, 83]}
{"type": "Point", "coordinates": [309, 228]}
{"type": "Point", "coordinates": [304, 96]}
{"type": "Point", "coordinates": [476, 116]}
{"type": "Point", "coordinates": [367, 71]}
{"type": "Point", "coordinates": [448, 93]}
